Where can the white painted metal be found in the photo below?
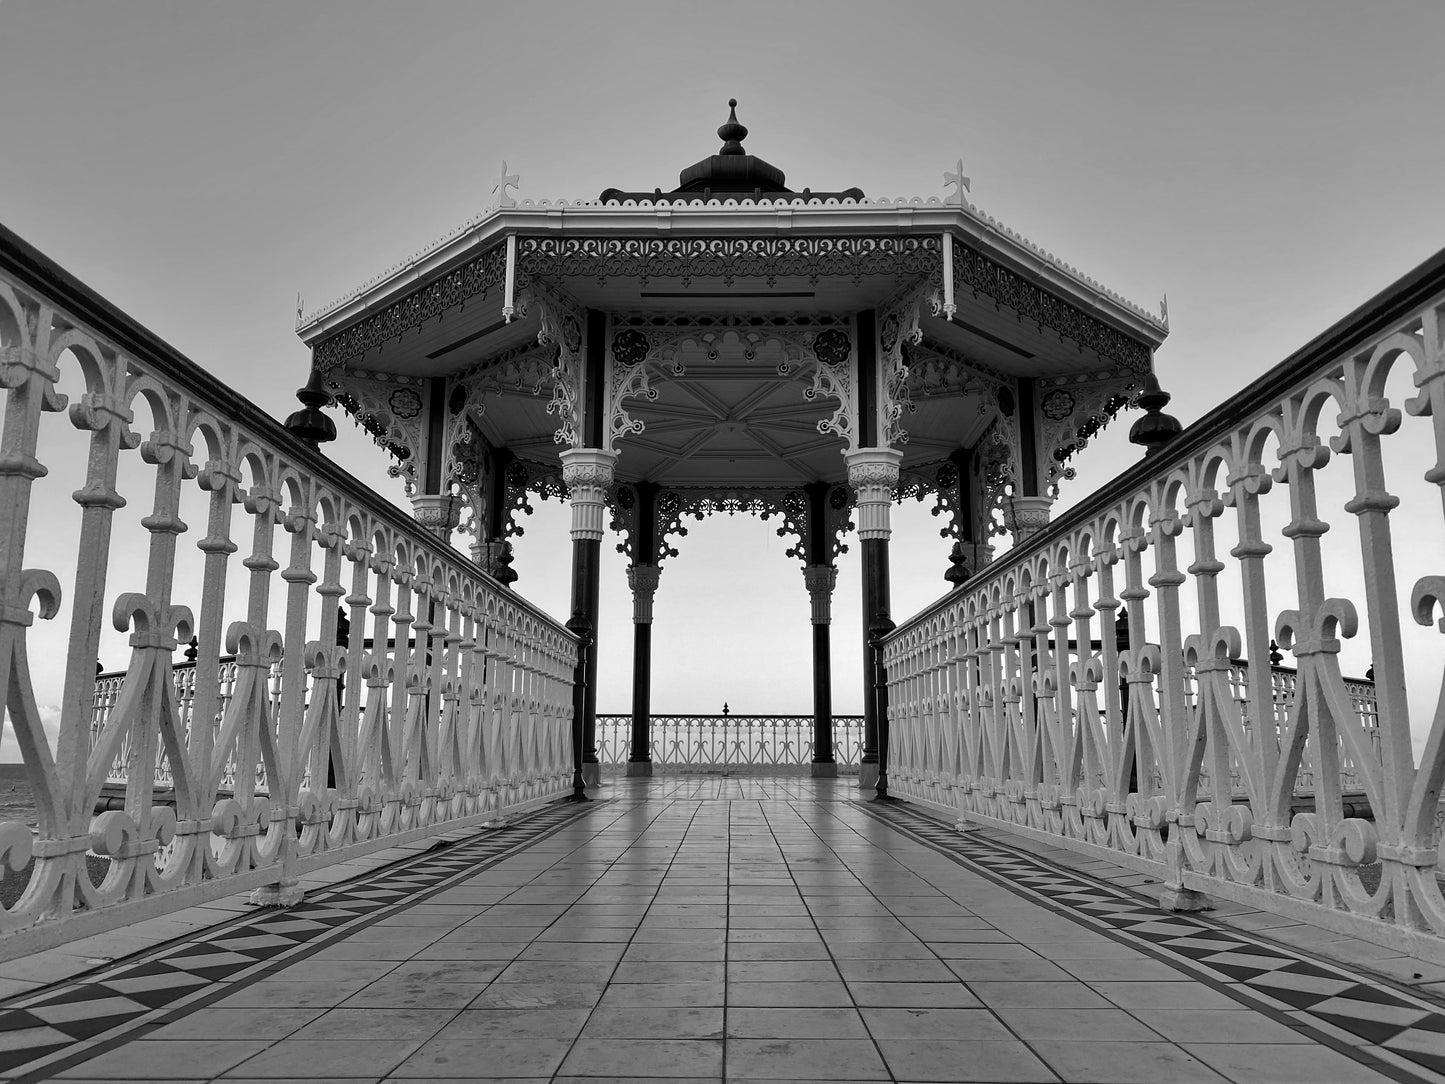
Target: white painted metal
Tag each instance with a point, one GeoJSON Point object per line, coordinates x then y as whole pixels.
{"type": "Point", "coordinates": [997, 719]}
{"type": "Point", "coordinates": [271, 775]}
{"type": "Point", "coordinates": [763, 744]}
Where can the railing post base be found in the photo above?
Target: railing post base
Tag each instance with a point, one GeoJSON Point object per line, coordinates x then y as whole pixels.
{"type": "Point", "coordinates": [823, 769]}
{"type": "Point", "coordinates": [278, 895]}
{"type": "Point", "coordinates": [639, 769]}
{"type": "Point", "coordinates": [579, 788]}
{"type": "Point", "coordinates": [1178, 898]}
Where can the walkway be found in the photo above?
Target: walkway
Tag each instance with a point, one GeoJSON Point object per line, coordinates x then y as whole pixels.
{"type": "Point", "coordinates": [729, 929]}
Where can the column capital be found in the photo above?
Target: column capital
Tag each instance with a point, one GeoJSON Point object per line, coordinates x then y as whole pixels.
{"type": "Point", "coordinates": [587, 473]}
{"type": "Point", "coordinates": [820, 581]}
{"type": "Point", "coordinates": [873, 474]}
{"type": "Point", "coordinates": [643, 580]}
{"type": "Point", "coordinates": [1026, 516]}
{"type": "Point", "coordinates": [438, 513]}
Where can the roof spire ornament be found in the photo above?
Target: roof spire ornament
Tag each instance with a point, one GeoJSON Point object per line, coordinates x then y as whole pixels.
{"type": "Point", "coordinates": [502, 199]}
{"type": "Point", "coordinates": [961, 181]}
{"type": "Point", "coordinates": [732, 133]}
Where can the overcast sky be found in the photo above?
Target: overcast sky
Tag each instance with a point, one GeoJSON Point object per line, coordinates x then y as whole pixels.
{"type": "Point", "coordinates": [1269, 166]}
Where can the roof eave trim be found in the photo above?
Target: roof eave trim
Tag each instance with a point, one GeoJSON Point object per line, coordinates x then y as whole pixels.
{"type": "Point", "coordinates": [903, 216]}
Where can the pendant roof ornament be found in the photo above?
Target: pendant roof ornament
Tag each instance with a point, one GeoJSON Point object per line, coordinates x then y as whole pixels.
{"type": "Point", "coordinates": [731, 173]}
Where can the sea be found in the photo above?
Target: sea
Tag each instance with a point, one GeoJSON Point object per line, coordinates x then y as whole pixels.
{"type": "Point", "coordinates": [17, 803]}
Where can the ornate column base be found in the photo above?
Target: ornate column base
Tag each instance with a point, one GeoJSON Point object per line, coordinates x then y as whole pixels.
{"type": "Point", "coordinates": [823, 770]}
{"type": "Point", "coordinates": [1184, 899]}
{"type": "Point", "coordinates": [278, 895]}
{"type": "Point", "coordinates": [639, 769]}
{"type": "Point", "coordinates": [1026, 516]}
{"type": "Point", "coordinates": [438, 513]}
{"type": "Point", "coordinates": [591, 774]}
{"type": "Point", "coordinates": [868, 776]}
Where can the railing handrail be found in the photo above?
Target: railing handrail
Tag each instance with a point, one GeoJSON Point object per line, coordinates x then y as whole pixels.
{"type": "Point", "coordinates": [1396, 302]}
{"type": "Point", "coordinates": [730, 717]}
{"type": "Point", "coordinates": [38, 272]}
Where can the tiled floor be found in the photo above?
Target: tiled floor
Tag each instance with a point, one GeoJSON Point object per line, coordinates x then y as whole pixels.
{"type": "Point", "coordinates": [729, 929]}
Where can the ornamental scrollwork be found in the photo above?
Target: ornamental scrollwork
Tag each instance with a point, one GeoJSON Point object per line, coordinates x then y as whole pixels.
{"type": "Point", "coordinates": [984, 276]}
{"type": "Point", "coordinates": [562, 325]}
{"type": "Point", "coordinates": [622, 504]}
{"type": "Point", "coordinates": [941, 481]}
{"type": "Point", "coordinates": [627, 378]}
{"type": "Point", "coordinates": [1072, 410]}
{"type": "Point", "coordinates": [935, 369]}
{"type": "Point", "coordinates": [728, 258]}
{"type": "Point", "coordinates": [524, 477]}
{"type": "Point", "coordinates": [675, 506]}
{"type": "Point", "coordinates": [898, 332]}
{"type": "Point", "coordinates": [388, 407]}
{"type": "Point", "coordinates": [476, 278]}
{"type": "Point", "coordinates": [831, 364]}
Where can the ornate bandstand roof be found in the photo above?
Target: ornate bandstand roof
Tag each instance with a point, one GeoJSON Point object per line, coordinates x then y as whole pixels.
{"type": "Point", "coordinates": [730, 308]}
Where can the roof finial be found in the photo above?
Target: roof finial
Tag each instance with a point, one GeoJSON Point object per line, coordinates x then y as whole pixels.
{"type": "Point", "coordinates": [732, 133]}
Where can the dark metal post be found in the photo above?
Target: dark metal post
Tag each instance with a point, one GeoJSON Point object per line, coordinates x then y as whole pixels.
{"type": "Point", "coordinates": [877, 604]}
{"type": "Point", "coordinates": [585, 558]}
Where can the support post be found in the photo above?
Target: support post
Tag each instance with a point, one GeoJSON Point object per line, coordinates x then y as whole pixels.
{"type": "Point", "coordinates": [587, 473]}
{"type": "Point", "coordinates": [820, 581]}
{"type": "Point", "coordinates": [643, 581]}
{"type": "Point", "coordinates": [873, 474]}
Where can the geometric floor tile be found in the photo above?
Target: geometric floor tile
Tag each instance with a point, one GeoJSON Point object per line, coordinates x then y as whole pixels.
{"type": "Point", "coordinates": [40, 1031]}
{"type": "Point", "coordinates": [1255, 972]}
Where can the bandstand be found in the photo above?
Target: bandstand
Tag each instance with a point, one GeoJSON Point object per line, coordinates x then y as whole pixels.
{"type": "Point", "coordinates": [732, 345]}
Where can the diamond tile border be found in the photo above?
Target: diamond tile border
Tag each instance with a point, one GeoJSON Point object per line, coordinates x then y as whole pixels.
{"type": "Point", "coordinates": [1396, 1033]}
{"type": "Point", "coordinates": [43, 1032]}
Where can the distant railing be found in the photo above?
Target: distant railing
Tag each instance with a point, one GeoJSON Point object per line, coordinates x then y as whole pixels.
{"type": "Point", "coordinates": [469, 723]}
{"type": "Point", "coordinates": [763, 744]}
{"type": "Point", "coordinates": [1211, 548]}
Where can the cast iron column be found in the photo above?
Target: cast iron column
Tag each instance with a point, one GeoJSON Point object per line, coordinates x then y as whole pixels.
{"type": "Point", "coordinates": [820, 580]}
{"type": "Point", "coordinates": [873, 474]}
{"type": "Point", "coordinates": [643, 581]}
{"type": "Point", "coordinates": [587, 473]}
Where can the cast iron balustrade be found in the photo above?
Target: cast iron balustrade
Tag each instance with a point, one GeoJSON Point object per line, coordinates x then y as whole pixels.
{"type": "Point", "coordinates": [310, 753]}
{"type": "Point", "coordinates": [761, 744]}
{"type": "Point", "coordinates": [1211, 547]}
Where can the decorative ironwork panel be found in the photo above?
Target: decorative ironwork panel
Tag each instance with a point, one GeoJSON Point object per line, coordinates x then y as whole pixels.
{"type": "Point", "coordinates": [1101, 686]}
{"type": "Point", "coordinates": [279, 749]}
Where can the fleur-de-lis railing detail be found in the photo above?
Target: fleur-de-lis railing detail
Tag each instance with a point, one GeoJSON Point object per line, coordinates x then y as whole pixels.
{"type": "Point", "coordinates": [1113, 684]}
{"type": "Point", "coordinates": [278, 749]}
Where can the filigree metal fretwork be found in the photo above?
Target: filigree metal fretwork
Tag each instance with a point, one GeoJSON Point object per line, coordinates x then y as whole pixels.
{"type": "Point", "coordinates": [940, 481]}
{"type": "Point", "coordinates": [475, 278]}
{"type": "Point", "coordinates": [675, 505]}
{"type": "Point", "coordinates": [818, 349]}
{"type": "Point", "coordinates": [388, 407]}
{"type": "Point", "coordinates": [727, 258]}
{"type": "Point", "coordinates": [525, 477]}
{"type": "Point", "coordinates": [562, 325]}
{"type": "Point", "coordinates": [973, 269]}
{"type": "Point", "coordinates": [935, 369]}
{"type": "Point", "coordinates": [839, 511]}
{"type": "Point", "coordinates": [997, 456]}
{"type": "Point", "coordinates": [898, 332]}
{"type": "Point", "coordinates": [1072, 410]}
{"type": "Point", "coordinates": [622, 504]}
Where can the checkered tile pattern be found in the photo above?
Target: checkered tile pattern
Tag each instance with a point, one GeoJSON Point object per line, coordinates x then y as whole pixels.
{"type": "Point", "coordinates": [1400, 1028]}
{"type": "Point", "coordinates": [83, 1015]}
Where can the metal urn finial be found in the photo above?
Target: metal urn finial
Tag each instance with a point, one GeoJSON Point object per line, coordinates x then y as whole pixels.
{"type": "Point", "coordinates": [308, 423]}
{"type": "Point", "coordinates": [1155, 429]}
{"type": "Point", "coordinates": [732, 133]}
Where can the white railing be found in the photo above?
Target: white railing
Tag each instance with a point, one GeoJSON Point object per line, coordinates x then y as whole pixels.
{"type": "Point", "coordinates": [471, 722]}
{"type": "Point", "coordinates": [1212, 547]}
{"type": "Point", "coordinates": [763, 744]}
